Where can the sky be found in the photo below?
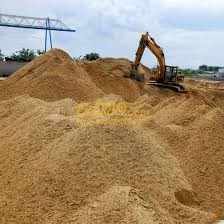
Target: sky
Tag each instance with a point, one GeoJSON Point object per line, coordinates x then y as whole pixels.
{"type": "Point", "coordinates": [191, 32]}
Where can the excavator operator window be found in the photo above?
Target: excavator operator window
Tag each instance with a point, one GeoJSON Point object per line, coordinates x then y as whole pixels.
{"type": "Point", "coordinates": [171, 73]}
{"type": "Point", "coordinates": [168, 72]}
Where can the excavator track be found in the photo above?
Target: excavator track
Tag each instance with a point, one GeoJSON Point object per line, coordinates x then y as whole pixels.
{"type": "Point", "coordinates": [173, 86]}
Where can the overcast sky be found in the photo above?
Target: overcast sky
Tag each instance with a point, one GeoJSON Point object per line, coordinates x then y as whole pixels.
{"type": "Point", "coordinates": [191, 32]}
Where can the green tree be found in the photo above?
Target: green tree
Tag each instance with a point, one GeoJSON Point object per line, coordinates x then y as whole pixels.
{"type": "Point", "coordinates": [1, 56]}
{"type": "Point", "coordinates": [40, 52]}
{"type": "Point", "coordinates": [24, 55]}
{"type": "Point", "coordinates": [91, 56]}
{"type": "Point", "coordinates": [78, 59]}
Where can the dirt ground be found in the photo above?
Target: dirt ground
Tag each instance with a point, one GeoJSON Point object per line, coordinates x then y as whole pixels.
{"type": "Point", "coordinates": [56, 169]}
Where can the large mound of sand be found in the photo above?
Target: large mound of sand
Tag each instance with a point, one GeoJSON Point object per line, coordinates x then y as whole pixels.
{"type": "Point", "coordinates": [108, 74]}
{"type": "Point", "coordinates": [55, 75]}
{"type": "Point", "coordinates": [56, 169]}
{"type": "Point", "coordinates": [52, 76]}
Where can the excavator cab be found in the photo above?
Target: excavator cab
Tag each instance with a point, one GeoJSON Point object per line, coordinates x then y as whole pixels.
{"type": "Point", "coordinates": [170, 73]}
{"type": "Point", "coordinates": [169, 80]}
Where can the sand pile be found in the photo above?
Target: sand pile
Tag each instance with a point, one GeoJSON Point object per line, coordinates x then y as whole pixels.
{"type": "Point", "coordinates": [56, 170]}
{"type": "Point", "coordinates": [204, 84]}
{"type": "Point", "coordinates": [192, 130]}
{"type": "Point", "coordinates": [55, 75]}
{"type": "Point", "coordinates": [108, 75]}
{"type": "Point", "coordinates": [52, 76]}
{"type": "Point", "coordinates": [201, 151]}
{"type": "Point", "coordinates": [180, 111]}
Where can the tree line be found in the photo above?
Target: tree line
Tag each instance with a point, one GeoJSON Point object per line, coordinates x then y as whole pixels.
{"type": "Point", "coordinates": [24, 55]}
{"type": "Point", "coordinates": [27, 55]}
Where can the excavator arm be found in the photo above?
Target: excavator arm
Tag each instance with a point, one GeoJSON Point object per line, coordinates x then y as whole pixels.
{"type": "Point", "coordinates": [147, 41]}
{"type": "Point", "coordinates": [158, 52]}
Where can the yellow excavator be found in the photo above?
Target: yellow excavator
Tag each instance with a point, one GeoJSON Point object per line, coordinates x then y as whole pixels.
{"type": "Point", "coordinates": [165, 76]}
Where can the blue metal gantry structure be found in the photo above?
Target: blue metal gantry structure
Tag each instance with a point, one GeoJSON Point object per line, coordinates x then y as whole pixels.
{"type": "Point", "coordinates": [35, 23]}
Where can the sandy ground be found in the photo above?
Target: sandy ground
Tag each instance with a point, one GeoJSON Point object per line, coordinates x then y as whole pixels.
{"type": "Point", "coordinates": [55, 168]}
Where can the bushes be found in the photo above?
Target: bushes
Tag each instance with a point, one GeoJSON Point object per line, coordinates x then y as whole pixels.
{"type": "Point", "coordinates": [88, 57]}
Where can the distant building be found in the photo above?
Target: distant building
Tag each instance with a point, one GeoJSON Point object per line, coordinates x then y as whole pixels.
{"type": "Point", "coordinates": [221, 72]}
